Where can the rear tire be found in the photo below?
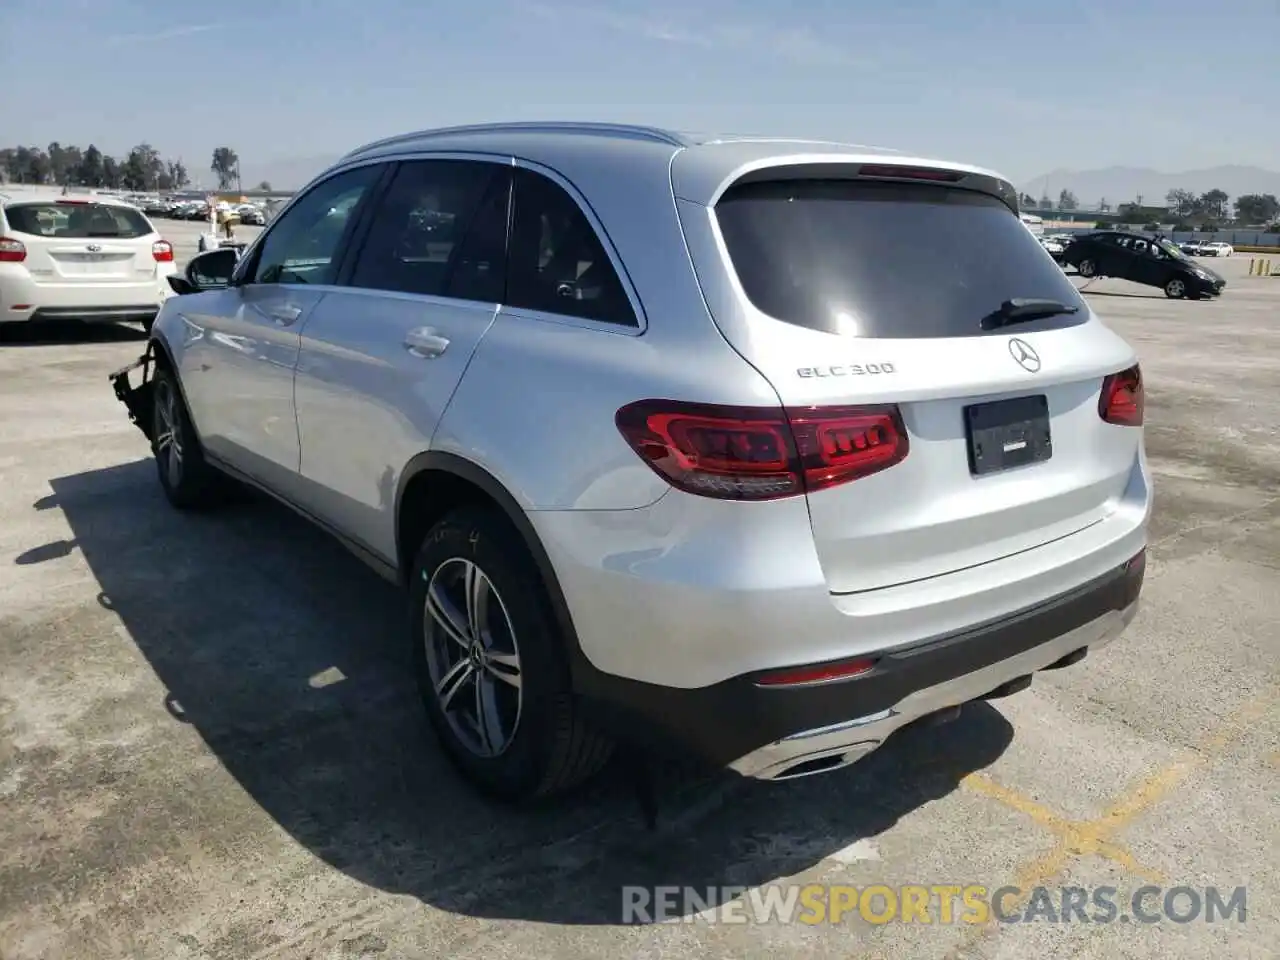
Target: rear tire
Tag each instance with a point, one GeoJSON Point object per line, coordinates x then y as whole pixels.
{"type": "Point", "coordinates": [496, 684]}
{"type": "Point", "coordinates": [189, 483]}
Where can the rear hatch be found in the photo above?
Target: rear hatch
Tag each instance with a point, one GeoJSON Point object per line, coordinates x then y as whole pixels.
{"type": "Point", "coordinates": [857, 290]}
{"type": "Point", "coordinates": [78, 241]}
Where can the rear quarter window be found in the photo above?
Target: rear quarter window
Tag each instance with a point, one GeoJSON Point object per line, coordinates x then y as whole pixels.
{"type": "Point", "coordinates": [77, 221]}
{"type": "Point", "coordinates": [892, 260]}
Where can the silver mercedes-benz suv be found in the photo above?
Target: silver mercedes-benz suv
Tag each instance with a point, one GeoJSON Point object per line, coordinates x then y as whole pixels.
{"type": "Point", "coordinates": [755, 448]}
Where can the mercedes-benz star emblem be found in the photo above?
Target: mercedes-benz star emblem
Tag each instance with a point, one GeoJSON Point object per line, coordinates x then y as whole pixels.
{"type": "Point", "coordinates": [1027, 358]}
{"type": "Point", "coordinates": [93, 247]}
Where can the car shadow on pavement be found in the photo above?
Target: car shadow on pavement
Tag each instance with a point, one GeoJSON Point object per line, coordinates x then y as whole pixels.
{"type": "Point", "coordinates": [62, 332]}
{"type": "Point", "coordinates": [289, 658]}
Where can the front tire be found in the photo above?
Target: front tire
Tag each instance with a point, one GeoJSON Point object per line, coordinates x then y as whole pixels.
{"type": "Point", "coordinates": [1175, 289]}
{"type": "Point", "coordinates": [1087, 269]}
{"type": "Point", "coordinates": [491, 665]}
{"type": "Point", "coordinates": [189, 483]}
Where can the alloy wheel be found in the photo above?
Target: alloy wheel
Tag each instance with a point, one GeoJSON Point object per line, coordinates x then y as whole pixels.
{"type": "Point", "coordinates": [168, 433]}
{"type": "Point", "coordinates": [473, 657]}
{"type": "Point", "coordinates": [1175, 288]}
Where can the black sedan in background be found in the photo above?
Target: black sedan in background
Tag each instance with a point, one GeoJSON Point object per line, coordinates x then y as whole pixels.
{"type": "Point", "coordinates": [1140, 259]}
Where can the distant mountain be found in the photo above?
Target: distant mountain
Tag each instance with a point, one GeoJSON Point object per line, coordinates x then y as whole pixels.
{"type": "Point", "coordinates": [1124, 184]}
{"type": "Point", "coordinates": [286, 174]}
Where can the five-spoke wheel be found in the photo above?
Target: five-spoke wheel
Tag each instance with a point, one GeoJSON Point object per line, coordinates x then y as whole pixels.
{"type": "Point", "coordinates": [473, 656]}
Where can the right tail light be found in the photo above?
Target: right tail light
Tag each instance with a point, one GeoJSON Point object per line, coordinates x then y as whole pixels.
{"type": "Point", "coordinates": [1123, 399]}
{"type": "Point", "coordinates": [762, 453]}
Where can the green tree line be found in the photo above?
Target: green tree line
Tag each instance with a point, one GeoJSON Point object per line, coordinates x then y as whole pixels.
{"type": "Point", "coordinates": [1184, 205]}
{"type": "Point", "coordinates": [142, 169]}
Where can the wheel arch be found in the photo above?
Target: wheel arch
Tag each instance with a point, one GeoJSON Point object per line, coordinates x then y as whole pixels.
{"type": "Point", "coordinates": [432, 484]}
{"type": "Point", "coordinates": [159, 346]}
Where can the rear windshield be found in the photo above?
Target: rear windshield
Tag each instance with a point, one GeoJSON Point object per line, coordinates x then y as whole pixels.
{"type": "Point", "coordinates": [890, 260]}
{"type": "Point", "coordinates": [77, 220]}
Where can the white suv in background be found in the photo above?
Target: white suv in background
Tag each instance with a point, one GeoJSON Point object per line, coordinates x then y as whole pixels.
{"type": "Point", "coordinates": [757, 448]}
{"type": "Point", "coordinates": [83, 258]}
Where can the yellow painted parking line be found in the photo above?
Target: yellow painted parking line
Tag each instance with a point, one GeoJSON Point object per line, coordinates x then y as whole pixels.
{"type": "Point", "coordinates": [1155, 788]}
{"type": "Point", "coordinates": [1076, 839]}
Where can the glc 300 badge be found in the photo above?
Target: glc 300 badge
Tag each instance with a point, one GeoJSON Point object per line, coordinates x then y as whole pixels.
{"type": "Point", "coordinates": [846, 370]}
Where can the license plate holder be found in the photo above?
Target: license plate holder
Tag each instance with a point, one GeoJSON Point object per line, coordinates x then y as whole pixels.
{"type": "Point", "coordinates": [1003, 434]}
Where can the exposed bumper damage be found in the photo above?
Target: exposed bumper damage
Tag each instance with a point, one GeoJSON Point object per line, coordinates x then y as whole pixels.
{"type": "Point", "coordinates": [137, 399]}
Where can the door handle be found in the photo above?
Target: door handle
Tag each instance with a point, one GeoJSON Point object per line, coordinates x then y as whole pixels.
{"type": "Point", "coordinates": [425, 343]}
{"type": "Point", "coordinates": [285, 314]}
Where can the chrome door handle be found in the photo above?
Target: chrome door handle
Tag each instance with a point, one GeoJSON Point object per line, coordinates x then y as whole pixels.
{"type": "Point", "coordinates": [425, 343]}
{"type": "Point", "coordinates": [285, 315]}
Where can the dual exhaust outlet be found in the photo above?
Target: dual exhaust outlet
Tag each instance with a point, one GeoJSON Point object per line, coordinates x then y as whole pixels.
{"type": "Point", "coordinates": [843, 756]}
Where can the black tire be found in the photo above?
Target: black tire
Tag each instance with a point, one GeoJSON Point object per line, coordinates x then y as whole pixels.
{"type": "Point", "coordinates": [550, 749]}
{"type": "Point", "coordinates": [1087, 269]}
{"type": "Point", "coordinates": [190, 483]}
{"type": "Point", "coordinates": [1176, 289]}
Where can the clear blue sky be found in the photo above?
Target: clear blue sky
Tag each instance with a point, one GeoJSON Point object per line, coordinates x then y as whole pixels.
{"type": "Point", "coordinates": [1024, 86]}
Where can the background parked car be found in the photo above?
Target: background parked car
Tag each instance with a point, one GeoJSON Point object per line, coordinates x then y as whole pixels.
{"type": "Point", "coordinates": [1133, 257]}
{"type": "Point", "coordinates": [1054, 246]}
{"type": "Point", "coordinates": [1217, 248]}
{"type": "Point", "coordinates": [97, 259]}
{"type": "Point", "coordinates": [1192, 248]}
{"type": "Point", "coordinates": [252, 214]}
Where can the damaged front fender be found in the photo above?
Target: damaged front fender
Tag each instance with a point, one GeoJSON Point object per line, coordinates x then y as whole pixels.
{"type": "Point", "coordinates": [137, 399]}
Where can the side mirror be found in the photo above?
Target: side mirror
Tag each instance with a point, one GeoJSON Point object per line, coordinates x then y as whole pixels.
{"type": "Point", "coordinates": [180, 285]}
{"type": "Point", "coordinates": [212, 269]}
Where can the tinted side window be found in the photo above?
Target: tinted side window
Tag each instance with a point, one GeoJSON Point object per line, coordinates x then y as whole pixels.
{"type": "Point", "coordinates": [557, 264]}
{"type": "Point", "coordinates": [304, 245]}
{"type": "Point", "coordinates": [873, 259]}
{"type": "Point", "coordinates": [479, 267]}
{"type": "Point", "coordinates": [420, 226]}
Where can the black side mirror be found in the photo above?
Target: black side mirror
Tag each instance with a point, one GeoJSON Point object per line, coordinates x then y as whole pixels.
{"type": "Point", "coordinates": [211, 270]}
{"type": "Point", "coordinates": [180, 285]}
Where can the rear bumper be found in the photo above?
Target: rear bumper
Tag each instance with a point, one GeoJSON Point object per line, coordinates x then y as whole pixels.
{"type": "Point", "coordinates": [22, 299]}
{"type": "Point", "coordinates": [779, 732]}
{"type": "Point", "coordinates": [136, 312]}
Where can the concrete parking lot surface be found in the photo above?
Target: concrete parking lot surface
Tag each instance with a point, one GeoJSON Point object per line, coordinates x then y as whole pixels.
{"type": "Point", "coordinates": [210, 746]}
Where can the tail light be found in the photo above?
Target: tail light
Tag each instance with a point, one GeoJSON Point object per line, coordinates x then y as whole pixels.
{"type": "Point", "coordinates": [761, 453]}
{"type": "Point", "coordinates": [1123, 399]}
{"type": "Point", "coordinates": [12, 251]}
{"type": "Point", "coordinates": [162, 250]}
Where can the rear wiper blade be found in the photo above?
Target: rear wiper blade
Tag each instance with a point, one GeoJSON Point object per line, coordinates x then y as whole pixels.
{"type": "Point", "coordinates": [1022, 309]}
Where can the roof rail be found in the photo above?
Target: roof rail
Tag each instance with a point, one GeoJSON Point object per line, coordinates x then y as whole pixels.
{"type": "Point", "coordinates": [654, 134]}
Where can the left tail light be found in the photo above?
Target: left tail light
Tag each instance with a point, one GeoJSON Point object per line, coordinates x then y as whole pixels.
{"type": "Point", "coordinates": [761, 453]}
{"type": "Point", "coordinates": [162, 250]}
{"type": "Point", "coordinates": [12, 251]}
{"type": "Point", "coordinates": [1122, 399]}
